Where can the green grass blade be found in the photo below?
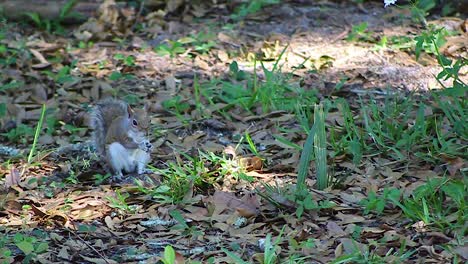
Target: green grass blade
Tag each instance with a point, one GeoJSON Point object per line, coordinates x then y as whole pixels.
{"type": "Point", "coordinates": [287, 142]}
{"type": "Point", "coordinates": [236, 258]}
{"type": "Point", "coordinates": [252, 146]}
{"type": "Point", "coordinates": [36, 135]}
{"type": "Point", "coordinates": [305, 159]}
{"type": "Point", "coordinates": [320, 147]}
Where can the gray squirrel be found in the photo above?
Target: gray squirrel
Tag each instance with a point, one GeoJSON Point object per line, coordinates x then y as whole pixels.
{"type": "Point", "coordinates": [120, 135]}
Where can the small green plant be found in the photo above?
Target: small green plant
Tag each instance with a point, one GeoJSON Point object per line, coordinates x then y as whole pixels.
{"type": "Point", "coordinates": [374, 203]}
{"type": "Point", "coordinates": [302, 199]}
{"type": "Point", "coordinates": [30, 246]}
{"type": "Point", "coordinates": [72, 179]}
{"type": "Point", "coordinates": [201, 172]}
{"type": "Point", "coordinates": [126, 60]}
{"type": "Point", "coordinates": [63, 75]}
{"type": "Point", "coordinates": [202, 42]}
{"type": "Point", "coordinates": [12, 85]}
{"type": "Point", "coordinates": [271, 250]}
{"type": "Point", "coordinates": [119, 202]}
{"type": "Point", "coordinates": [86, 228]}
{"type": "Point", "coordinates": [99, 178]}
{"type": "Point", "coordinates": [85, 45]}
{"type": "Point", "coordinates": [176, 183]}
{"type": "Point", "coordinates": [401, 42]}
{"type": "Point", "coordinates": [235, 72]}
{"type": "Point", "coordinates": [420, 8]}
{"type": "Point", "coordinates": [51, 121]}
{"type": "Point", "coordinates": [5, 252]}
{"type": "Point", "coordinates": [430, 41]}
{"type": "Point", "coordinates": [270, 254]}
{"type": "Point", "coordinates": [172, 48]}
{"type": "Point", "coordinates": [161, 194]}
{"type": "Point", "coordinates": [365, 255]}
{"type": "Point", "coordinates": [360, 33]}
{"type": "Point", "coordinates": [431, 203]}
{"type": "Point", "coordinates": [73, 132]}
{"type": "Point", "coordinates": [435, 201]}
{"type": "Point", "coordinates": [188, 230]}
{"type": "Point", "coordinates": [176, 105]}
{"type": "Point", "coordinates": [20, 134]}
{"type": "Point", "coordinates": [115, 76]}
{"type": "Point", "coordinates": [54, 25]}
{"type": "Point", "coordinates": [169, 256]}
{"type": "Point", "coordinates": [250, 8]}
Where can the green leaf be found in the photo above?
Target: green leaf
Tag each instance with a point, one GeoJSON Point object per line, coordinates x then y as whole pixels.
{"type": "Point", "coordinates": [67, 8]}
{"type": "Point", "coordinates": [5, 252]}
{"type": "Point", "coordinates": [445, 61]}
{"type": "Point", "coordinates": [114, 76]}
{"type": "Point", "coordinates": [26, 247]}
{"type": "Point", "coordinates": [169, 255]}
{"type": "Point", "coordinates": [3, 109]}
{"type": "Point", "coordinates": [426, 5]}
{"type": "Point", "coordinates": [35, 18]}
{"type": "Point", "coordinates": [3, 49]}
{"type": "Point", "coordinates": [236, 258]}
{"type": "Point", "coordinates": [18, 238]}
{"type": "Point", "coordinates": [356, 150]}
{"type": "Point", "coordinates": [42, 247]}
{"type": "Point", "coordinates": [299, 210]}
{"type": "Point", "coordinates": [179, 218]}
{"type": "Point", "coordinates": [233, 67]}
{"type": "Point", "coordinates": [306, 157]}
{"type": "Point", "coordinates": [455, 190]}
{"type": "Point", "coordinates": [419, 45]}
{"type": "Point", "coordinates": [130, 60]}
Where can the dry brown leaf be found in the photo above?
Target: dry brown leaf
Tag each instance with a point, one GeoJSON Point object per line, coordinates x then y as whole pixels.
{"type": "Point", "coordinates": [349, 218]}
{"type": "Point", "coordinates": [63, 253]}
{"type": "Point", "coordinates": [12, 178]}
{"type": "Point", "coordinates": [462, 251]}
{"type": "Point", "coordinates": [109, 222]}
{"type": "Point", "coordinates": [225, 201]}
{"type": "Point", "coordinates": [334, 230]}
{"type": "Point", "coordinates": [251, 163]}
{"type": "Point", "coordinates": [99, 260]}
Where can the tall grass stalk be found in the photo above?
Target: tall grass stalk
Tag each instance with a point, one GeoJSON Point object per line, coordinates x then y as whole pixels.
{"type": "Point", "coordinates": [315, 145]}
{"type": "Point", "coordinates": [304, 161]}
{"type": "Point", "coordinates": [320, 147]}
{"type": "Point", "coordinates": [36, 135]}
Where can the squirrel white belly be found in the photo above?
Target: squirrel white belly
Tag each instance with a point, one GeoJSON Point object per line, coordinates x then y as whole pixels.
{"type": "Point", "coordinates": [120, 135]}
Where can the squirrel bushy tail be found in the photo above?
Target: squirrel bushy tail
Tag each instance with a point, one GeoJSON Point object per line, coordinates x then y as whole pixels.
{"type": "Point", "coordinates": [102, 116]}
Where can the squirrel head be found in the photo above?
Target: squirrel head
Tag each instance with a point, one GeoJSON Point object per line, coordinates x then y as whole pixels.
{"type": "Point", "coordinates": [139, 120]}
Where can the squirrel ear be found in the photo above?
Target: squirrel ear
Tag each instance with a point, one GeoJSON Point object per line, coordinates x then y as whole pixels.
{"type": "Point", "coordinates": [129, 111]}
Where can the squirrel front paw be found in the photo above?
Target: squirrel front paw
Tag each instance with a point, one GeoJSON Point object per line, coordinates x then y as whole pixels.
{"type": "Point", "coordinates": [146, 146]}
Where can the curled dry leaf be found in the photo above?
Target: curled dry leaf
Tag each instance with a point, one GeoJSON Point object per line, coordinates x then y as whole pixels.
{"type": "Point", "coordinates": [224, 202]}
{"type": "Point", "coordinates": [43, 63]}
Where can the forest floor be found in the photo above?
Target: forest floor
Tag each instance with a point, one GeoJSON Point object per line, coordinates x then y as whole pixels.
{"type": "Point", "coordinates": [232, 102]}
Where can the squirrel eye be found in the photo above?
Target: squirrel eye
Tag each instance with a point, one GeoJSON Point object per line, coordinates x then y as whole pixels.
{"type": "Point", "coordinates": [134, 122]}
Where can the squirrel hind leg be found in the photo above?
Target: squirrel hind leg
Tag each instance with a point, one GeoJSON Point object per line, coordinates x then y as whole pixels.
{"type": "Point", "coordinates": [120, 159]}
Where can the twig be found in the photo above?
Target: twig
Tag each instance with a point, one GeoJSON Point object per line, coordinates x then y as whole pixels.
{"type": "Point", "coordinates": [88, 245]}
